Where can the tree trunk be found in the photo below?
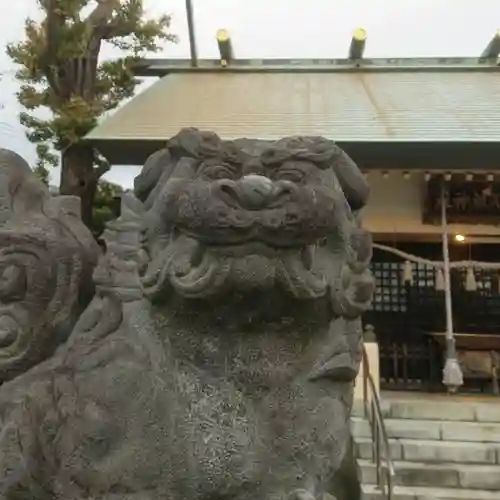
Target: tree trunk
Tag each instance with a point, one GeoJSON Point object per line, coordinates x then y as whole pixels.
{"type": "Point", "coordinates": [78, 178]}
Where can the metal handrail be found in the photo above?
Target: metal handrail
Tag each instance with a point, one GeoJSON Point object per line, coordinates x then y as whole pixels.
{"type": "Point", "coordinates": [381, 452]}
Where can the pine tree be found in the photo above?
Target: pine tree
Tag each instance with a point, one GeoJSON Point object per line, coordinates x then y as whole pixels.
{"type": "Point", "coordinates": [60, 70]}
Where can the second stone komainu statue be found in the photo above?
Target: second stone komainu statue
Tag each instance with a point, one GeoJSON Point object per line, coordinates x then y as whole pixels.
{"type": "Point", "coordinates": [47, 257]}
{"type": "Point", "coordinates": [217, 359]}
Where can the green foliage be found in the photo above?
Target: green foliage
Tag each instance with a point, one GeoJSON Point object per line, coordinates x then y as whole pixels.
{"type": "Point", "coordinates": [105, 205]}
{"type": "Point", "coordinates": [45, 158]}
{"type": "Point", "coordinates": [60, 70]}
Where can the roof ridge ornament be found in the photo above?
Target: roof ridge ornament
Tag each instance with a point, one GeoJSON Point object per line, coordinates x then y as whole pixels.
{"type": "Point", "coordinates": [492, 50]}
{"type": "Point", "coordinates": [358, 42]}
{"type": "Point", "coordinates": [225, 47]}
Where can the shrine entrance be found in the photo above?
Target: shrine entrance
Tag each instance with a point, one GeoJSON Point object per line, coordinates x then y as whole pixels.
{"type": "Point", "coordinates": [409, 309]}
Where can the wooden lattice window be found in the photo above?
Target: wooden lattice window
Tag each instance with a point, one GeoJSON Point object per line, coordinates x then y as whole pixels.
{"type": "Point", "coordinates": [390, 291]}
{"type": "Point", "coordinates": [424, 276]}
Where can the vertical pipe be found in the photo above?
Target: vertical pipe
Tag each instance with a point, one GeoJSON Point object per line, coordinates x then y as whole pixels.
{"type": "Point", "coordinates": [452, 373]}
{"type": "Point", "coordinates": [446, 269]}
{"type": "Point", "coordinates": [192, 34]}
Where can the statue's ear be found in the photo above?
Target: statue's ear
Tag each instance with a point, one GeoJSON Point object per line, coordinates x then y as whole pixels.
{"type": "Point", "coordinates": [150, 174]}
{"type": "Point", "coordinates": [20, 190]}
{"type": "Point", "coordinates": [352, 180]}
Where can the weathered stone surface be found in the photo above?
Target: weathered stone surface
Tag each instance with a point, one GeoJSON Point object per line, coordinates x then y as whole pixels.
{"type": "Point", "coordinates": [471, 431]}
{"type": "Point", "coordinates": [432, 429]}
{"type": "Point", "coordinates": [407, 429]}
{"type": "Point", "coordinates": [487, 412]}
{"type": "Point", "coordinates": [371, 492]}
{"type": "Point", "coordinates": [445, 475]}
{"type": "Point", "coordinates": [46, 260]}
{"type": "Point", "coordinates": [430, 410]}
{"type": "Point", "coordinates": [433, 451]}
{"type": "Point", "coordinates": [218, 356]}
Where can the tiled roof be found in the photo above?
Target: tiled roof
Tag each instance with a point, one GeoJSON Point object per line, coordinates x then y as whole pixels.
{"type": "Point", "coordinates": [421, 106]}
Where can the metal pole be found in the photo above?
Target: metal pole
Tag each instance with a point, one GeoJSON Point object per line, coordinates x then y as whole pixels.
{"type": "Point", "coordinates": [452, 373]}
{"type": "Point", "coordinates": [192, 34]}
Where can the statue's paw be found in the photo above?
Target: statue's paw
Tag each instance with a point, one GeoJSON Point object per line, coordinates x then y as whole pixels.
{"type": "Point", "coordinates": [301, 494]}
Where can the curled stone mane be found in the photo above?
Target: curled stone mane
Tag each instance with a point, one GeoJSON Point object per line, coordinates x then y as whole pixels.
{"type": "Point", "coordinates": [188, 144]}
{"type": "Point", "coordinates": [324, 154]}
{"type": "Point", "coordinates": [46, 261]}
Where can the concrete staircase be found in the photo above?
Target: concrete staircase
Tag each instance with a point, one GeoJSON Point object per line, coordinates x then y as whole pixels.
{"type": "Point", "coordinates": [443, 448]}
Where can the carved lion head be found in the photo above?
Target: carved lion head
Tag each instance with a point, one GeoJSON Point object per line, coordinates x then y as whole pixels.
{"type": "Point", "coordinates": [46, 261]}
{"type": "Point", "coordinates": [255, 215]}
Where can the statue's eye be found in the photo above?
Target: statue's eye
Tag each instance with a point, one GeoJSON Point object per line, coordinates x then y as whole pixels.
{"type": "Point", "coordinates": [12, 283]}
{"type": "Point", "coordinates": [293, 175]}
{"type": "Point", "coordinates": [214, 172]}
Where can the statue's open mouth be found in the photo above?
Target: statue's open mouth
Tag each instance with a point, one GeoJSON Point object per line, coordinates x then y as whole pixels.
{"type": "Point", "coordinates": [255, 247]}
{"type": "Point", "coordinates": [197, 269]}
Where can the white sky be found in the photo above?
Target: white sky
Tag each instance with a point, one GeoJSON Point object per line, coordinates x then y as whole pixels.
{"type": "Point", "coordinates": [283, 28]}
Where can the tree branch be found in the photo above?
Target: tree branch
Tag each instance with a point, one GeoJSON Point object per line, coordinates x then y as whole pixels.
{"type": "Point", "coordinates": [97, 21]}
{"type": "Point", "coordinates": [100, 170]}
{"type": "Point", "coordinates": [105, 28]}
{"type": "Point", "coordinates": [116, 30]}
{"type": "Point", "coordinates": [102, 14]}
{"type": "Point", "coordinates": [102, 166]}
{"type": "Point", "coordinates": [53, 23]}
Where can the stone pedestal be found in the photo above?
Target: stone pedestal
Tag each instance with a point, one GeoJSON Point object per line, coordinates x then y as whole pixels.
{"type": "Point", "coordinates": [373, 359]}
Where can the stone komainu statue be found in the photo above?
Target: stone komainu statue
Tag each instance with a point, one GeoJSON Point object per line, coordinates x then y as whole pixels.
{"type": "Point", "coordinates": [218, 355]}
{"type": "Point", "coordinates": [46, 260]}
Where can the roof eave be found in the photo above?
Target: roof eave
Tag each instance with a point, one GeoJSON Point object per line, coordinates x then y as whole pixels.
{"type": "Point", "coordinates": [432, 155]}
{"type": "Point", "coordinates": [162, 67]}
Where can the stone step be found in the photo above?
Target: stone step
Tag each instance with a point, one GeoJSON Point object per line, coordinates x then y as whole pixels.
{"type": "Point", "coordinates": [371, 492]}
{"type": "Point", "coordinates": [433, 451]}
{"type": "Point", "coordinates": [443, 475]}
{"type": "Point", "coordinates": [456, 409]}
{"type": "Point", "coordinates": [432, 429]}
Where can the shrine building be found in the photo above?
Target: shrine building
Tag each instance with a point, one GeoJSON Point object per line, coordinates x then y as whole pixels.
{"type": "Point", "coordinates": [418, 128]}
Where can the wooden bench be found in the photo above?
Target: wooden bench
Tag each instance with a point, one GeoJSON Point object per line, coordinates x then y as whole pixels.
{"type": "Point", "coordinates": [478, 355]}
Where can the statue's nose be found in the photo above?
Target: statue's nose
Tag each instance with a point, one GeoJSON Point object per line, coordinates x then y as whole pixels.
{"type": "Point", "coordinates": [252, 192]}
{"type": "Point", "coordinates": [255, 191]}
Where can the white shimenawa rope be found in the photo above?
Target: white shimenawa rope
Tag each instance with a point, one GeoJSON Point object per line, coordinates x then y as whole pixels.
{"type": "Point", "coordinates": [436, 264]}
